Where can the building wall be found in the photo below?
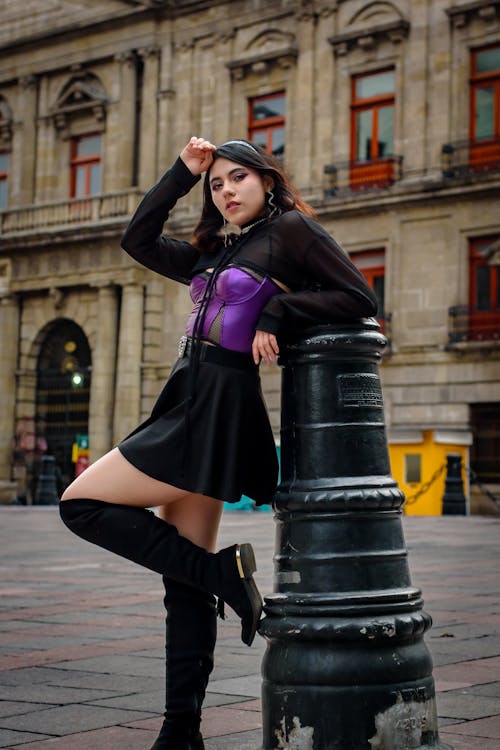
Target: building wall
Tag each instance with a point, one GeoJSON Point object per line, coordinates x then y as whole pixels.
{"type": "Point", "coordinates": [165, 73]}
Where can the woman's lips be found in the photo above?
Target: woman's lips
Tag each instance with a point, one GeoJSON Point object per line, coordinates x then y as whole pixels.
{"type": "Point", "coordinates": [232, 205]}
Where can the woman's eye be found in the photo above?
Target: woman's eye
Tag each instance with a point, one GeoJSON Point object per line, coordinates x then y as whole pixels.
{"type": "Point", "coordinates": [216, 187]}
{"type": "Point", "coordinates": [240, 176]}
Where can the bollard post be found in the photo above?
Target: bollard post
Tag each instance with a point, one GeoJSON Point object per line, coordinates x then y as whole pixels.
{"type": "Point", "coordinates": [346, 666]}
{"type": "Point", "coordinates": [46, 489]}
{"type": "Point", "coordinates": [454, 502]}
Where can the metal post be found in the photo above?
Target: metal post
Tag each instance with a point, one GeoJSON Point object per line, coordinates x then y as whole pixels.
{"type": "Point", "coordinates": [346, 666]}
{"type": "Point", "coordinates": [454, 502]}
{"type": "Point", "coordinates": [46, 489]}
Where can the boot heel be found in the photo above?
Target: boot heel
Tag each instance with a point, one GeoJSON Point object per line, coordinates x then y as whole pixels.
{"type": "Point", "coordinates": [245, 560]}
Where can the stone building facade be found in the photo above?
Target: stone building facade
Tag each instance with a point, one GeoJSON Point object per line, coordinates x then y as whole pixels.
{"type": "Point", "coordinates": [387, 116]}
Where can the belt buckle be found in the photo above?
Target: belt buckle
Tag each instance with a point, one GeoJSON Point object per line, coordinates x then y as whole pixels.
{"type": "Point", "coordinates": [183, 342]}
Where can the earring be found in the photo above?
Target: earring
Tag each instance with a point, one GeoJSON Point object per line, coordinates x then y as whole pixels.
{"type": "Point", "coordinates": [270, 202]}
{"type": "Point", "coordinates": [225, 233]}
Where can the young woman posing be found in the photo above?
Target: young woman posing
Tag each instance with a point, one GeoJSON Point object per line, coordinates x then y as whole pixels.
{"type": "Point", "coordinates": [259, 268]}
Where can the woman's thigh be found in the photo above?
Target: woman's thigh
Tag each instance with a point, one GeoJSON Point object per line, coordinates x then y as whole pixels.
{"type": "Point", "coordinates": [113, 479]}
{"type": "Point", "coordinates": [196, 517]}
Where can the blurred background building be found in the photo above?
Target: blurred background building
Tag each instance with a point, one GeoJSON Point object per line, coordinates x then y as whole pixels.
{"type": "Point", "coordinates": [387, 117]}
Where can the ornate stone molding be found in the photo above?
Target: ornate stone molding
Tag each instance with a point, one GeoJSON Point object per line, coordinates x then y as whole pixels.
{"type": "Point", "coordinates": [125, 58]}
{"type": "Point", "coordinates": [393, 31]}
{"type": "Point", "coordinates": [166, 94]}
{"type": "Point", "coordinates": [262, 63]}
{"type": "Point", "coordinates": [149, 52]}
{"type": "Point", "coordinates": [82, 95]}
{"type": "Point", "coordinates": [462, 15]}
{"type": "Point", "coordinates": [27, 82]}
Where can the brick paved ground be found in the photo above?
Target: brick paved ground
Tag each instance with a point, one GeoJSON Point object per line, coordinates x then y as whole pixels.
{"type": "Point", "coordinates": [81, 637]}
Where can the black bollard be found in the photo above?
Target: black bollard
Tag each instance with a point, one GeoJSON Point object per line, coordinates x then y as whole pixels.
{"type": "Point", "coordinates": [46, 489]}
{"type": "Point", "coordinates": [346, 666]}
{"type": "Point", "coordinates": [454, 502]}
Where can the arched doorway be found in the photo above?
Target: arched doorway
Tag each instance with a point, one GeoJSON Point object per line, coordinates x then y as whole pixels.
{"type": "Point", "coordinates": [62, 393]}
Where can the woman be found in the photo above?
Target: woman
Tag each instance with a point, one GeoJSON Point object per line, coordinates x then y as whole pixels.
{"type": "Point", "coordinates": [259, 267]}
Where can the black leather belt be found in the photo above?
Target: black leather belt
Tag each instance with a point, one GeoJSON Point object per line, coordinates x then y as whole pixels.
{"type": "Point", "coordinates": [216, 354]}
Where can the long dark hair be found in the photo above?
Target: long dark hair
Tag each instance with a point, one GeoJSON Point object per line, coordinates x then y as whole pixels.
{"type": "Point", "coordinates": [286, 196]}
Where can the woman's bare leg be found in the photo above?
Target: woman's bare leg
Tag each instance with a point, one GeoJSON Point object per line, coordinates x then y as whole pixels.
{"type": "Point", "coordinates": [196, 517]}
{"type": "Point", "coordinates": [113, 479]}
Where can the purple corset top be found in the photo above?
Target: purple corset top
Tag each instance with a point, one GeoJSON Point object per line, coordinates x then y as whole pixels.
{"type": "Point", "coordinates": [234, 308]}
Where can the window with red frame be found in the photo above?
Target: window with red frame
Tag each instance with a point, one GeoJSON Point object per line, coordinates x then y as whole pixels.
{"type": "Point", "coordinates": [484, 292]}
{"type": "Point", "coordinates": [4, 179]}
{"type": "Point", "coordinates": [371, 263]}
{"type": "Point", "coordinates": [485, 108]}
{"type": "Point", "coordinates": [86, 166]}
{"type": "Point", "coordinates": [266, 122]}
{"type": "Point", "coordinates": [372, 129]}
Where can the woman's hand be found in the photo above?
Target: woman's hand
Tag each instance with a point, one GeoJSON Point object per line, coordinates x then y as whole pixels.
{"type": "Point", "coordinates": [265, 346]}
{"type": "Point", "coordinates": [197, 155]}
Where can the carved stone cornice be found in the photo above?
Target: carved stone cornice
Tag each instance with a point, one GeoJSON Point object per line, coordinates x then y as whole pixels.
{"type": "Point", "coordinates": [149, 52]}
{"type": "Point", "coordinates": [83, 94]}
{"type": "Point", "coordinates": [462, 15]}
{"type": "Point", "coordinates": [263, 62]}
{"type": "Point", "coordinates": [394, 31]}
{"type": "Point", "coordinates": [27, 82]}
{"type": "Point", "coordinates": [126, 57]}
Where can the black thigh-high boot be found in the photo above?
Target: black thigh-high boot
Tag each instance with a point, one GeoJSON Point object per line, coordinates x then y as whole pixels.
{"type": "Point", "coordinates": [191, 632]}
{"type": "Point", "coordinates": [139, 535]}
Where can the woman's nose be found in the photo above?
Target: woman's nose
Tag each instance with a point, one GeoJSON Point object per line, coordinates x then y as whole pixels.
{"type": "Point", "coordinates": [227, 189]}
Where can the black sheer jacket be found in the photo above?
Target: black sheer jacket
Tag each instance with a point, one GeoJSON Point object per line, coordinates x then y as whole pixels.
{"type": "Point", "coordinates": [291, 248]}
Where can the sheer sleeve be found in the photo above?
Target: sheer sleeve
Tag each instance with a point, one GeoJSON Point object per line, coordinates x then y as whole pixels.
{"type": "Point", "coordinates": [143, 238]}
{"type": "Point", "coordinates": [333, 290]}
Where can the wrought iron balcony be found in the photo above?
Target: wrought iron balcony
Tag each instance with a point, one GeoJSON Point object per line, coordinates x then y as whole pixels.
{"type": "Point", "coordinates": [469, 159]}
{"type": "Point", "coordinates": [467, 323]}
{"type": "Point", "coordinates": [352, 178]}
{"type": "Point", "coordinates": [58, 216]}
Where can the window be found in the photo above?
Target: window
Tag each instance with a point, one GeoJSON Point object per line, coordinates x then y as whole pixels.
{"type": "Point", "coordinates": [372, 130]}
{"type": "Point", "coordinates": [485, 108]}
{"type": "Point", "coordinates": [266, 125]}
{"type": "Point", "coordinates": [485, 449]}
{"type": "Point", "coordinates": [413, 468]}
{"type": "Point", "coordinates": [4, 176]}
{"type": "Point", "coordinates": [371, 263]}
{"type": "Point", "coordinates": [86, 166]}
{"type": "Point", "coordinates": [484, 292]}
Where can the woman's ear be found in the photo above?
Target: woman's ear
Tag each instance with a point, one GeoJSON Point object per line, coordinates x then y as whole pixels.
{"type": "Point", "coordinates": [268, 182]}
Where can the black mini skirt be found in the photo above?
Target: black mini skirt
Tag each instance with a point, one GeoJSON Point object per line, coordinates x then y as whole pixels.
{"type": "Point", "coordinates": [225, 448]}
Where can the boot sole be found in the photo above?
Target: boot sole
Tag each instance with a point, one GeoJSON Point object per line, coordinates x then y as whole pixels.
{"type": "Point", "coordinates": [247, 567]}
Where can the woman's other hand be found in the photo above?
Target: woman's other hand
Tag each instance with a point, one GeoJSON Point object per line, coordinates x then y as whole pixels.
{"type": "Point", "coordinates": [197, 155]}
{"type": "Point", "coordinates": [265, 346]}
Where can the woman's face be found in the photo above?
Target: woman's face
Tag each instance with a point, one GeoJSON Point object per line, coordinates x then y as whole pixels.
{"type": "Point", "coordinates": [237, 191]}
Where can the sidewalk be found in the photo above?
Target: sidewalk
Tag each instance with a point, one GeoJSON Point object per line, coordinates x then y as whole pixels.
{"type": "Point", "coordinates": [81, 644]}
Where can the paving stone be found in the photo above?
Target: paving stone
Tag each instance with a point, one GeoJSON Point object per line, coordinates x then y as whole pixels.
{"type": "Point", "coordinates": [153, 702]}
{"type": "Point", "coordinates": [70, 719]}
{"type": "Point", "coordinates": [459, 742]}
{"type": "Point", "coordinates": [9, 738]}
{"type": "Point", "coordinates": [15, 708]}
{"type": "Point", "coordinates": [249, 686]}
{"type": "Point", "coordinates": [489, 727]}
{"type": "Point", "coordinates": [240, 741]}
{"type": "Point", "coordinates": [58, 695]}
{"type": "Point", "coordinates": [217, 722]}
{"type": "Point", "coordinates": [464, 705]}
{"type": "Point", "coordinates": [123, 738]}
{"type": "Point", "coordinates": [117, 664]}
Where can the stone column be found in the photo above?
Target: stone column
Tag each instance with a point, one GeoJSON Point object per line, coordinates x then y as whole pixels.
{"type": "Point", "coordinates": [121, 126]}
{"type": "Point", "coordinates": [128, 368]}
{"type": "Point", "coordinates": [103, 373]}
{"type": "Point", "coordinates": [148, 137]}
{"type": "Point", "coordinates": [166, 110]}
{"type": "Point", "coordinates": [9, 326]}
{"type": "Point", "coordinates": [24, 143]}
